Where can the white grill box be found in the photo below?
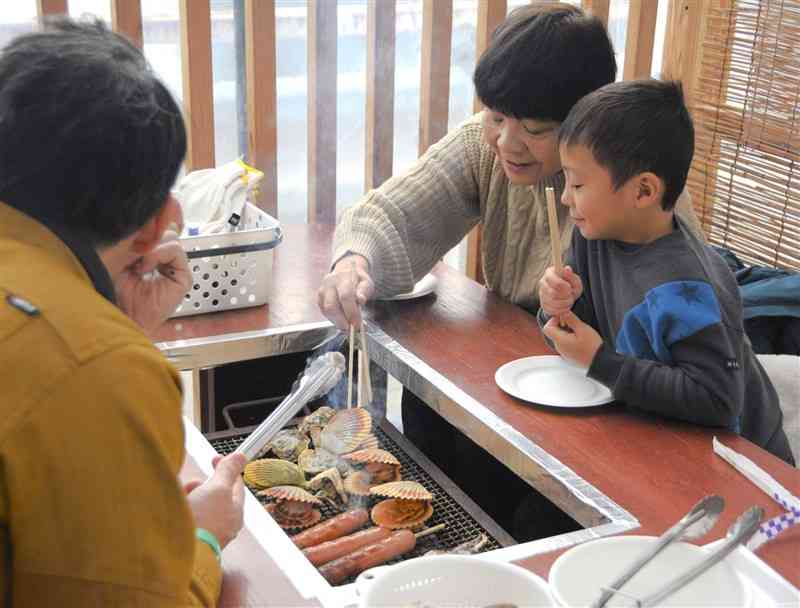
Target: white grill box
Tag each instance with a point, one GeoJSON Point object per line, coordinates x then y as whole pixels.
{"type": "Point", "coordinates": [234, 269]}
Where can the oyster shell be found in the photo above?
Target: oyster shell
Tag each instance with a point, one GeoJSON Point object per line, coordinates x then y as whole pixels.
{"type": "Point", "coordinates": [316, 461]}
{"type": "Point", "coordinates": [329, 485]}
{"type": "Point", "coordinates": [397, 513]}
{"type": "Point", "coordinates": [288, 443]}
{"type": "Point", "coordinates": [268, 472]}
{"type": "Point", "coordinates": [346, 431]}
{"type": "Point", "coordinates": [409, 490]}
{"type": "Point", "coordinates": [316, 420]}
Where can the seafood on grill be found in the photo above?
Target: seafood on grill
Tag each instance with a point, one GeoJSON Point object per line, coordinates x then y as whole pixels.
{"type": "Point", "coordinates": [380, 465]}
{"type": "Point", "coordinates": [345, 432]}
{"type": "Point", "coordinates": [268, 472]}
{"type": "Point", "coordinates": [316, 420]}
{"type": "Point", "coordinates": [328, 485]}
{"type": "Point", "coordinates": [408, 505]}
{"type": "Point", "coordinates": [470, 547]}
{"type": "Point", "coordinates": [358, 483]}
{"type": "Point", "coordinates": [293, 506]}
{"type": "Point", "coordinates": [314, 462]}
{"type": "Point", "coordinates": [371, 442]}
{"type": "Point", "coordinates": [288, 444]}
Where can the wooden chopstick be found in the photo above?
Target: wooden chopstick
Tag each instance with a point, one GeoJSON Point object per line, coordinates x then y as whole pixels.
{"type": "Point", "coordinates": [555, 234]}
{"type": "Point", "coordinates": [350, 368]}
{"type": "Point", "coordinates": [367, 377]}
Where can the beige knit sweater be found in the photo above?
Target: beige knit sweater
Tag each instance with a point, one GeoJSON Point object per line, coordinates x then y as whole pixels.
{"type": "Point", "coordinates": [407, 224]}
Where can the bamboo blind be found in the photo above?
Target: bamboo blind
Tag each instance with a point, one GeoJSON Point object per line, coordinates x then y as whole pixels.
{"type": "Point", "coordinates": [745, 179]}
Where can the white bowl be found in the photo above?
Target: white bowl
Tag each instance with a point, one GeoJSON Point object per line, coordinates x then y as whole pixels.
{"type": "Point", "coordinates": [577, 575]}
{"type": "Point", "coordinates": [449, 581]}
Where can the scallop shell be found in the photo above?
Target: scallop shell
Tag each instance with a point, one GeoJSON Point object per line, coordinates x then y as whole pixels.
{"type": "Point", "coordinates": [288, 444]}
{"type": "Point", "coordinates": [371, 455]}
{"type": "Point", "coordinates": [397, 514]}
{"type": "Point", "coordinates": [329, 484]}
{"type": "Point", "coordinates": [409, 490]}
{"type": "Point", "coordinates": [371, 442]}
{"type": "Point", "coordinates": [358, 483]}
{"type": "Point", "coordinates": [290, 493]}
{"type": "Point", "coordinates": [268, 472]}
{"type": "Point", "coordinates": [346, 430]}
{"type": "Point", "coordinates": [309, 519]}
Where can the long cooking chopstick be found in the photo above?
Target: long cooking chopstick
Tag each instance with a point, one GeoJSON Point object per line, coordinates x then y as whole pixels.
{"type": "Point", "coordinates": [555, 234]}
{"type": "Point", "coordinates": [350, 367]}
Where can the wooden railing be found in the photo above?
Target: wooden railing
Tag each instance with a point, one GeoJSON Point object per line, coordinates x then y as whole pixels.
{"type": "Point", "coordinates": [260, 60]}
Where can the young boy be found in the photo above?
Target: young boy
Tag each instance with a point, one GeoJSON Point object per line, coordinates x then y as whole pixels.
{"type": "Point", "coordinates": [650, 311]}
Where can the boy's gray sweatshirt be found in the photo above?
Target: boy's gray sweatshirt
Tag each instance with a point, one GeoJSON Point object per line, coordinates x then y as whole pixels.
{"type": "Point", "coordinates": [670, 316]}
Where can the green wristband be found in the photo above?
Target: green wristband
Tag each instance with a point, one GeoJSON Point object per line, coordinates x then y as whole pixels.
{"type": "Point", "coordinates": [211, 540]}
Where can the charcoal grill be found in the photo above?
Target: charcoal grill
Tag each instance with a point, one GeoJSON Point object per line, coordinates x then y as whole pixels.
{"type": "Point", "coordinates": [463, 518]}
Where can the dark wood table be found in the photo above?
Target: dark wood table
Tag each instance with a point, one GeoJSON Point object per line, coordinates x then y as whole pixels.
{"type": "Point", "coordinates": [653, 468]}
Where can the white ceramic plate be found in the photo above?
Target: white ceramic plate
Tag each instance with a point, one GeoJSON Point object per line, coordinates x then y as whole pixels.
{"type": "Point", "coordinates": [578, 574]}
{"type": "Point", "coordinates": [550, 380]}
{"type": "Point", "coordinates": [423, 287]}
{"type": "Point", "coordinates": [453, 581]}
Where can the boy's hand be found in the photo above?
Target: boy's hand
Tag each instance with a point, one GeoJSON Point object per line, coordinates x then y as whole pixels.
{"type": "Point", "coordinates": [557, 294]}
{"type": "Point", "coordinates": [574, 339]}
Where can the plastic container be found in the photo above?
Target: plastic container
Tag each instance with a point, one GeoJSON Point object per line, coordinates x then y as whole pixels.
{"type": "Point", "coordinates": [234, 269]}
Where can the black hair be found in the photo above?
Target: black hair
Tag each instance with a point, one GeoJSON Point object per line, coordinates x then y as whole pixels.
{"type": "Point", "coordinates": [542, 59]}
{"type": "Point", "coordinates": [90, 139]}
{"type": "Point", "coordinates": [636, 126]}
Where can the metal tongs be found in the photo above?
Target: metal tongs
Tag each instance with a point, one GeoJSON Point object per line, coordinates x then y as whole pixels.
{"type": "Point", "coordinates": [699, 520]}
{"type": "Point", "coordinates": [322, 374]}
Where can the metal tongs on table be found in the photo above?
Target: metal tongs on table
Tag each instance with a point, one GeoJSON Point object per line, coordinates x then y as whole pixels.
{"type": "Point", "coordinates": [322, 374]}
{"type": "Point", "coordinates": [694, 524]}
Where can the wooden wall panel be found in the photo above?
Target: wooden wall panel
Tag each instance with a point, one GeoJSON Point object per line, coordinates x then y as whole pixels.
{"type": "Point", "coordinates": [52, 7]}
{"type": "Point", "coordinates": [379, 116]}
{"type": "Point", "coordinates": [198, 91]}
{"type": "Point", "coordinates": [126, 18]}
{"type": "Point", "coordinates": [639, 38]}
{"type": "Point", "coordinates": [437, 29]}
{"type": "Point", "coordinates": [262, 102]}
{"type": "Point", "coordinates": [322, 71]}
{"type": "Point", "coordinates": [599, 8]}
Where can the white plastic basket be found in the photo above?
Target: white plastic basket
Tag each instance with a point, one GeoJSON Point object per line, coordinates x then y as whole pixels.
{"type": "Point", "coordinates": [231, 270]}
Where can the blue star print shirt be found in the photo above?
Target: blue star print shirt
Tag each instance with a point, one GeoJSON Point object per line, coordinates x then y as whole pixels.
{"type": "Point", "coordinates": [670, 316]}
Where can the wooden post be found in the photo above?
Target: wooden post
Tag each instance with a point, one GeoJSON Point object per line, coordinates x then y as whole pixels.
{"type": "Point", "coordinates": [437, 30]}
{"type": "Point", "coordinates": [379, 116]}
{"type": "Point", "coordinates": [639, 39]}
{"type": "Point", "coordinates": [598, 8]}
{"type": "Point", "coordinates": [682, 44]}
{"type": "Point", "coordinates": [262, 102]}
{"type": "Point", "coordinates": [491, 13]}
{"type": "Point", "coordinates": [126, 18]}
{"type": "Point", "coordinates": [322, 71]}
{"type": "Point", "coordinates": [51, 7]}
{"type": "Point", "coordinates": [198, 92]}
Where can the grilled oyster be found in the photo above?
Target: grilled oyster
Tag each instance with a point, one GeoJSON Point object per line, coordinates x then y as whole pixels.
{"type": "Point", "coordinates": [293, 506]}
{"type": "Point", "coordinates": [358, 483]}
{"type": "Point", "coordinates": [328, 485]}
{"type": "Point", "coordinates": [269, 472]}
{"type": "Point", "coordinates": [288, 444]}
{"type": "Point", "coordinates": [314, 462]}
{"type": "Point", "coordinates": [316, 420]}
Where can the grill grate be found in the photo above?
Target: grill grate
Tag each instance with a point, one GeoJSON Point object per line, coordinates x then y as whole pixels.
{"type": "Point", "coordinates": [461, 526]}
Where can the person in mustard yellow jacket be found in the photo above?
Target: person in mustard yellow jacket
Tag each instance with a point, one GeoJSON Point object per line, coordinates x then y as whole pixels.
{"type": "Point", "coordinates": [91, 442]}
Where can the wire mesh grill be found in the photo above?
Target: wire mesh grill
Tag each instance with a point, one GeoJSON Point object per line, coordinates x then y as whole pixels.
{"type": "Point", "coordinates": [460, 525]}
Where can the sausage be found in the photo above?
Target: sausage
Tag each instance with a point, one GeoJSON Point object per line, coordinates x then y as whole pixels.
{"type": "Point", "coordinates": [342, 524]}
{"type": "Point", "coordinates": [356, 562]}
{"type": "Point", "coordinates": [333, 549]}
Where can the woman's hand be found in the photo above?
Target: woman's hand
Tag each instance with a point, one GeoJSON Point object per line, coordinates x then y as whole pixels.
{"type": "Point", "coordinates": [344, 290]}
{"type": "Point", "coordinates": [573, 339]}
{"type": "Point", "coordinates": [150, 289]}
{"type": "Point", "coordinates": [218, 503]}
{"type": "Point", "coordinates": [557, 294]}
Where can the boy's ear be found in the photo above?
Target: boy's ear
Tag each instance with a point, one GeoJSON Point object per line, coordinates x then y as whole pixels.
{"type": "Point", "coordinates": [649, 190]}
{"type": "Point", "coordinates": [150, 235]}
